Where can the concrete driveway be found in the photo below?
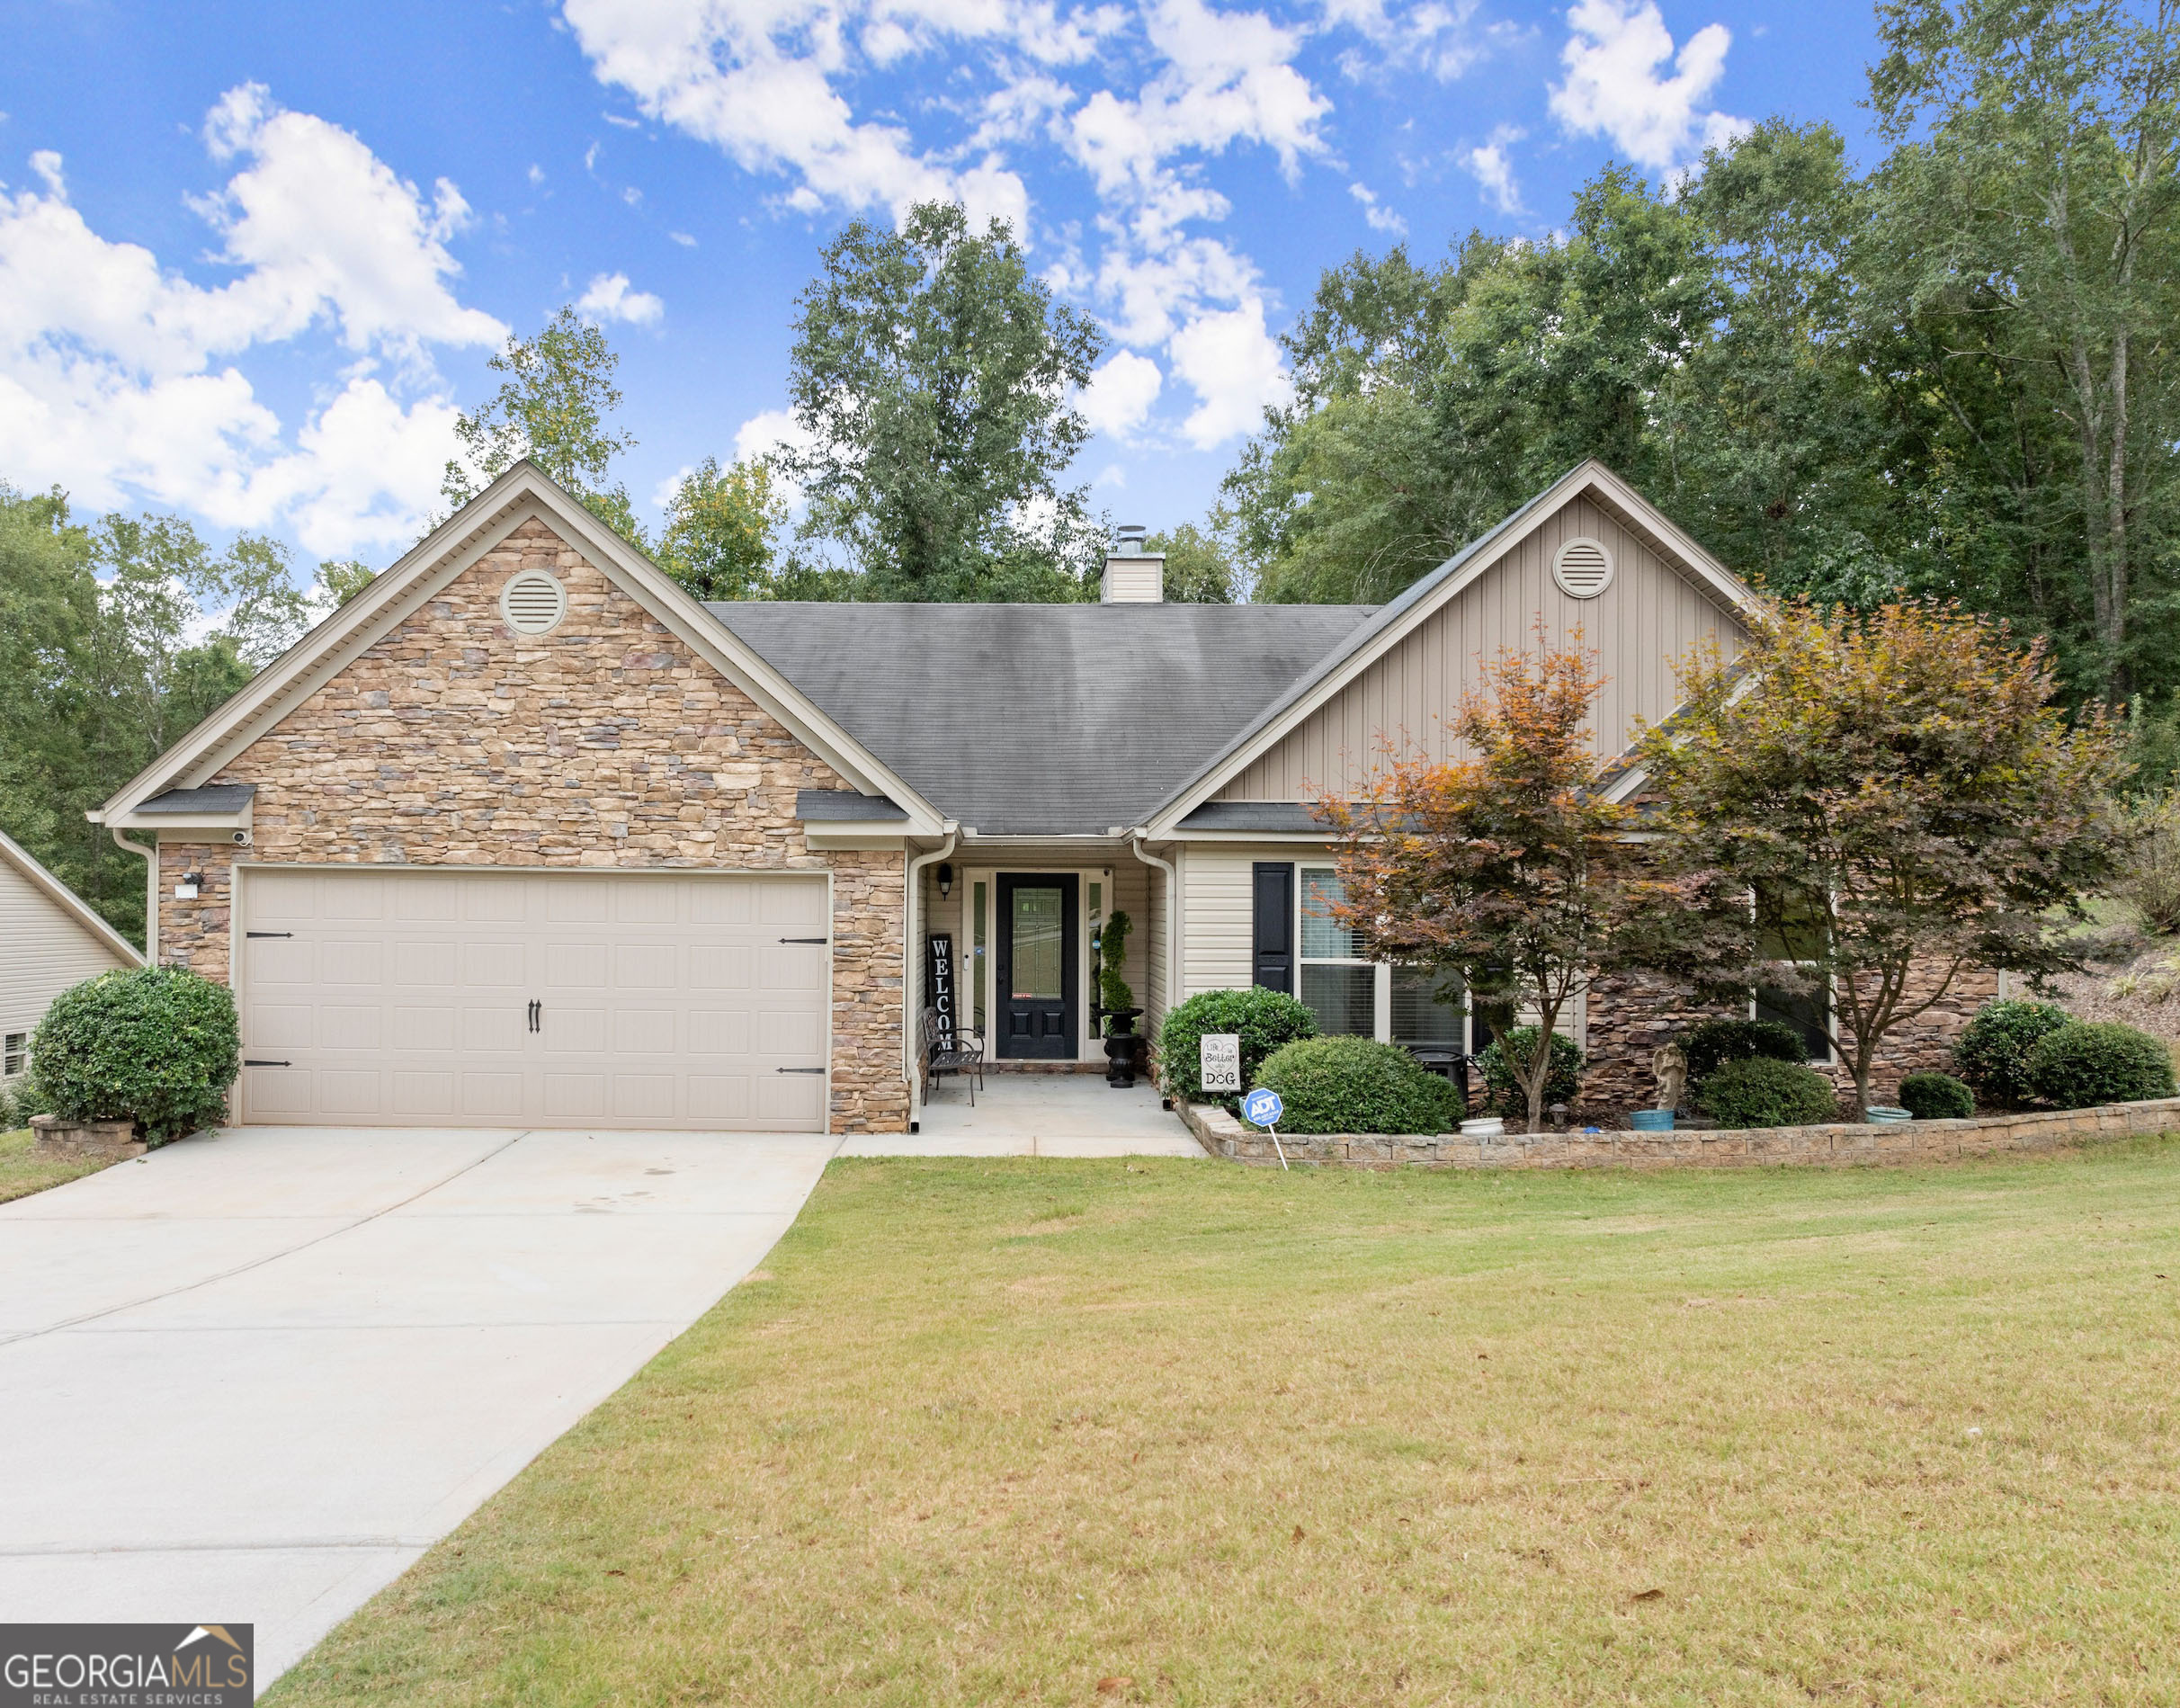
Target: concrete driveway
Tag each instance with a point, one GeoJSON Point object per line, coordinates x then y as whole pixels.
{"type": "Point", "coordinates": [251, 1376]}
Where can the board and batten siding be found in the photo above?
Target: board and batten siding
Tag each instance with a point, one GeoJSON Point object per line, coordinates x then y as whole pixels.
{"type": "Point", "coordinates": [42, 952]}
{"type": "Point", "coordinates": [1649, 617]}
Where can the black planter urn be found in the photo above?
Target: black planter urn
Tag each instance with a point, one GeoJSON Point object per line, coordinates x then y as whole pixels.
{"type": "Point", "coordinates": [1120, 1046]}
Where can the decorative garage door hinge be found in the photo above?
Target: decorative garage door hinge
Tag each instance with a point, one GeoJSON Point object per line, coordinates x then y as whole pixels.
{"type": "Point", "coordinates": [806, 940]}
{"type": "Point", "coordinates": [247, 1062]}
{"type": "Point", "coordinates": [798, 1070]}
{"type": "Point", "coordinates": [268, 933]}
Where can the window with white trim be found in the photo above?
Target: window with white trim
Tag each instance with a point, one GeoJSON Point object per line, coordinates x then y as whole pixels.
{"type": "Point", "coordinates": [1430, 1009]}
{"type": "Point", "coordinates": [17, 1055]}
{"type": "Point", "coordinates": [1338, 986]}
{"type": "Point", "coordinates": [1809, 1011]}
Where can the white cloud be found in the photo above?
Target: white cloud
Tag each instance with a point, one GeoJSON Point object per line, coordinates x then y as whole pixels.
{"type": "Point", "coordinates": [1234, 366]}
{"type": "Point", "coordinates": [1613, 87]}
{"type": "Point", "coordinates": [1120, 394]}
{"type": "Point", "coordinates": [1440, 39]}
{"type": "Point", "coordinates": [117, 380]}
{"type": "Point", "coordinates": [1380, 217]}
{"type": "Point", "coordinates": [1494, 172]}
{"type": "Point", "coordinates": [609, 298]}
{"type": "Point", "coordinates": [683, 238]}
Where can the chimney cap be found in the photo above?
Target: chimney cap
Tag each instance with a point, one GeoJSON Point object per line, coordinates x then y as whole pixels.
{"type": "Point", "coordinates": [1128, 538]}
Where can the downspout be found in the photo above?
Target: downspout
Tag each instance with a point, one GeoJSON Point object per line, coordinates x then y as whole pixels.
{"type": "Point", "coordinates": [1172, 938]}
{"type": "Point", "coordinates": [151, 891]}
{"type": "Point", "coordinates": [910, 1021]}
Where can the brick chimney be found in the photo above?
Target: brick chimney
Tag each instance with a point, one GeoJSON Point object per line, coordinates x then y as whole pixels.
{"type": "Point", "coordinates": [1133, 576]}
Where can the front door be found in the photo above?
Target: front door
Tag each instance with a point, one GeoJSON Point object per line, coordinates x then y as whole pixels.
{"type": "Point", "coordinates": [1036, 976]}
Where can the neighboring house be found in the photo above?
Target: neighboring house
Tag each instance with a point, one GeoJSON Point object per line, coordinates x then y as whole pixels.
{"type": "Point", "coordinates": [523, 833]}
{"type": "Point", "coordinates": [49, 939]}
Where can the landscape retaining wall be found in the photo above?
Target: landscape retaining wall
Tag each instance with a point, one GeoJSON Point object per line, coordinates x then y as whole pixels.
{"type": "Point", "coordinates": [1908, 1142]}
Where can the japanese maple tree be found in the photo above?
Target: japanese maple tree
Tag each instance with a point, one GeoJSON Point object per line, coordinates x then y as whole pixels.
{"type": "Point", "coordinates": [1508, 866]}
{"type": "Point", "coordinates": [1868, 804]}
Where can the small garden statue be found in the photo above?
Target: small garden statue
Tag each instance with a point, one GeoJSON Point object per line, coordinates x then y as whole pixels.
{"type": "Point", "coordinates": [1669, 1062]}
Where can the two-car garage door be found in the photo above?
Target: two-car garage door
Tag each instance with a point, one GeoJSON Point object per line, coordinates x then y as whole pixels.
{"type": "Point", "coordinates": [557, 999]}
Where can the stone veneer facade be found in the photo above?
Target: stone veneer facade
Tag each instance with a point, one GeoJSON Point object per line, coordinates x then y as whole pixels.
{"type": "Point", "coordinates": [453, 741]}
{"type": "Point", "coordinates": [1629, 1015]}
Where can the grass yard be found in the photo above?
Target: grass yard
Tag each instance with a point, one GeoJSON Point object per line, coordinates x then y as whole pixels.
{"type": "Point", "coordinates": [23, 1171]}
{"type": "Point", "coordinates": [1172, 1432]}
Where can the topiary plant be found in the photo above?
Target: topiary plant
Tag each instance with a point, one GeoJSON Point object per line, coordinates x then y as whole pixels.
{"type": "Point", "coordinates": [2085, 1063]}
{"type": "Point", "coordinates": [1712, 1043]}
{"type": "Point", "coordinates": [1355, 1085]}
{"type": "Point", "coordinates": [1112, 990]}
{"type": "Point", "coordinates": [1936, 1096]}
{"type": "Point", "coordinates": [1508, 1097]}
{"type": "Point", "coordinates": [154, 1045]}
{"type": "Point", "coordinates": [1994, 1049]}
{"type": "Point", "coordinates": [1762, 1091]}
{"type": "Point", "coordinates": [1265, 1020]}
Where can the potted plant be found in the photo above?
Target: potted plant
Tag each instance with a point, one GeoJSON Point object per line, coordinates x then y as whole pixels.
{"type": "Point", "coordinates": [1116, 1001]}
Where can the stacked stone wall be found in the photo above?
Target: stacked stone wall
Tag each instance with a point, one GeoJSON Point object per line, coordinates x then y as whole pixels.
{"type": "Point", "coordinates": [453, 741]}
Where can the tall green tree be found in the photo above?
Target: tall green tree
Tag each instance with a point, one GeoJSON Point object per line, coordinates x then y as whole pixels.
{"type": "Point", "coordinates": [935, 375]}
{"type": "Point", "coordinates": [2032, 205]}
{"type": "Point", "coordinates": [554, 406]}
{"type": "Point", "coordinates": [719, 535]}
{"type": "Point", "coordinates": [1198, 569]}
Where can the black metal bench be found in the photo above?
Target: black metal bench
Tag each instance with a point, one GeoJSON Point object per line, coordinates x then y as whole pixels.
{"type": "Point", "coordinates": [964, 1057]}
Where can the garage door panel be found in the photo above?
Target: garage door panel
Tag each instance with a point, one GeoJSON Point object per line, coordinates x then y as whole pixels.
{"type": "Point", "coordinates": [407, 997]}
{"type": "Point", "coordinates": [417, 1029]}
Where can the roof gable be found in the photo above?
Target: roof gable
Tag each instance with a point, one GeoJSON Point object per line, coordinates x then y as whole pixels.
{"type": "Point", "coordinates": [522, 494]}
{"type": "Point", "coordinates": [1401, 622]}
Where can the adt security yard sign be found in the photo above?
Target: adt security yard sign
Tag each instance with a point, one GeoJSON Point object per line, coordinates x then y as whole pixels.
{"type": "Point", "coordinates": [1264, 1109]}
{"type": "Point", "coordinates": [1219, 1057]}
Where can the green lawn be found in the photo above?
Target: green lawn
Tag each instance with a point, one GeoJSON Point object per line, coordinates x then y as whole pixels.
{"type": "Point", "coordinates": [1046, 1432]}
{"type": "Point", "coordinates": [23, 1171]}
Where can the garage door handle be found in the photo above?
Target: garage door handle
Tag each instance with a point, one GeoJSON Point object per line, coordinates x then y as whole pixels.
{"type": "Point", "coordinates": [820, 940]}
{"type": "Point", "coordinates": [247, 1062]}
{"type": "Point", "coordinates": [798, 1070]}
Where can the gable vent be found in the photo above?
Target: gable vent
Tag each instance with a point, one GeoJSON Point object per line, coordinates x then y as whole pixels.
{"type": "Point", "coordinates": [533, 603]}
{"type": "Point", "coordinates": [1583, 568]}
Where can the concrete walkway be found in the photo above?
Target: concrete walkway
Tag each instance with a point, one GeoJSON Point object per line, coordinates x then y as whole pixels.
{"type": "Point", "coordinates": [252, 1375]}
{"type": "Point", "coordinates": [1037, 1114]}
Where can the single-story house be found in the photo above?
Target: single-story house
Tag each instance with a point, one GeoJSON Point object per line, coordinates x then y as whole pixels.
{"type": "Point", "coordinates": [524, 834]}
{"type": "Point", "coordinates": [49, 939]}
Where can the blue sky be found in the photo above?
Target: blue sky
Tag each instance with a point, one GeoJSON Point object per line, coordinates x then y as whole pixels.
{"type": "Point", "coordinates": [252, 258]}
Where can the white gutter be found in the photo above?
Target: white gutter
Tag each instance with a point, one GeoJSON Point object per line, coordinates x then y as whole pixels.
{"type": "Point", "coordinates": [1172, 938]}
{"type": "Point", "coordinates": [912, 1022]}
{"type": "Point", "coordinates": [151, 890]}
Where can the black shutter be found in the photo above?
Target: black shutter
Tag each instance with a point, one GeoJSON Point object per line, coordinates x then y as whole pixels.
{"type": "Point", "coordinates": [1273, 949]}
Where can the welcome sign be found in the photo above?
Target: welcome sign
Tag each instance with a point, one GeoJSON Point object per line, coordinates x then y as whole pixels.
{"type": "Point", "coordinates": [939, 983]}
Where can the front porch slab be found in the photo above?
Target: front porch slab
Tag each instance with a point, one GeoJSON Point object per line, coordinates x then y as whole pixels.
{"type": "Point", "coordinates": [1037, 1114]}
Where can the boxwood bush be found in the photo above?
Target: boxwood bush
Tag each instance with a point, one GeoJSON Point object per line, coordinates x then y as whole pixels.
{"type": "Point", "coordinates": [1507, 1095]}
{"type": "Point", "coordinates": [1994, 1049]}
{"type": "Point", "coordinates": [1265, 1019]}
{"type": "Point", "coordinates": [1712, 1044]}
{"type": "Point", "coordinates": [154, 1045]}
{"type": "Point", "coordinates": [1936, 1096]}
{"type": "Point", "coordinates": [1355, 1085]}
{"type": "Point", "coordinates": [1762, 1091]}
{"type": "Point", "coordinates": [2085, 1063]}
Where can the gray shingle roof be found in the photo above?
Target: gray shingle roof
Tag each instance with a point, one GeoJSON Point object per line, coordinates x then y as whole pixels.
{"type": "Point", "coordinates": [1043, 719]}
{"type": "Point", "coordinates": [844, 806]}
{"type": "Point", "coordinates": [213, 798]}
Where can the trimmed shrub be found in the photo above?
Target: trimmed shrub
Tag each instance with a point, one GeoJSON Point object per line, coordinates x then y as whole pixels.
{"type": "Point", "coordinates": [1506, 1094]}
{"type": "Point", "coordinates": [1762, 1091]}
{"type": "Point", "coordinates": [1994, 1049]}
{"type": "Point", "coordinates": [1265, 1020]}
{"type": "Point", "coordinates": [1355, 1085]}
{"type": "Point", "coordinates": [2085, 1063]}
{"type": "Point", "coordinates": [19, 1101]}
{"type": "Point", "coordinates": [1936, 1096]}
{"type": "Point", "coordinates": [1712, 1044]}
{"type": "Point", "coordinates": [154, 1045]}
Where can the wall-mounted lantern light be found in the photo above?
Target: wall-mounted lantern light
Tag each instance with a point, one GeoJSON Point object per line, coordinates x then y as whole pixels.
{"type": "Point", "coordinates": [946, 878]}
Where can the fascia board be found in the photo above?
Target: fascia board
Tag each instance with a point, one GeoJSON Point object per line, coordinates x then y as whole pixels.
{"type": "Point", "coordinates": [179, 827]}
{"type": "Point", "coordinates": [840, 835]}
{"type": "Point", "coordinates": [1668, 534]}
{"type": "Point", "coordinates": [66, 899]}
{"type": "Point", "coordinates": [1304, 838]}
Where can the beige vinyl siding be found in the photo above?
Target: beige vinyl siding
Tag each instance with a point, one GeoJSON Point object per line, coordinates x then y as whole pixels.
{"type": "Point", "coordinates": [42, 952]}
{"type": "Point", "coordinates": [1649, 617]}
{"type": "Point", "coordinates": [1152, 934]}
{"type": "Point", "coordinates": [1217, 924]}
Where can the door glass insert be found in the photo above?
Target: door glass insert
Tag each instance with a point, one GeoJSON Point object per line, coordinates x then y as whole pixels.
{"type": "Point", "coordinates": [1039, 925]}
{"type": "Point", "coordinates": [978, 898]}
